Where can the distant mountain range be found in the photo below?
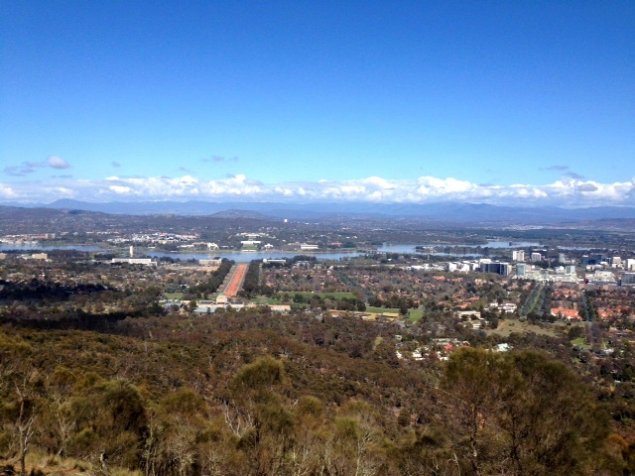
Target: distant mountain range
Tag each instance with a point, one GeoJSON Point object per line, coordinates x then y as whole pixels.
{"type": "Point", "coordinates": [444, 212]}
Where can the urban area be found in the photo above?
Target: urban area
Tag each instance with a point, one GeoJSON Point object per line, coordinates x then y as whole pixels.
{"type": "Point", "coordinates": [207, 345]}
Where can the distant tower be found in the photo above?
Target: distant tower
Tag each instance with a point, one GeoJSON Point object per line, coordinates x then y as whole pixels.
{"type": "Point", "coordinates": [131, 251]}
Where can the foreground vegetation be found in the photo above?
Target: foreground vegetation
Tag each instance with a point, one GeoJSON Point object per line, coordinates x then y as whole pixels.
{"type": "Point", "coordinates": [252, 393]}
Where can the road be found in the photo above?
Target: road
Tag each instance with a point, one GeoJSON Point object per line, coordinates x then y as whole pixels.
{"type": "Point", "coordinates": [236, 277]}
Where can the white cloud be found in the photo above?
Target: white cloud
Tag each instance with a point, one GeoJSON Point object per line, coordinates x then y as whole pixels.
{"type": "Point", "coordinates": [433, 186]}
{"type": "Point", "coordinates": [563, 192]}
{"type": "Point", "coordinates": [6, 191]}
{"type": "Point", "coordinates": [56, 162]}
{"type": "Point", "coordinates": [184, 186]}
{"type": "Point", "coordinates": [120, 189]}
{"type": "Point", "coordinates": [63, 192]}
{"type": "Point", "coordinates": [379, 183]}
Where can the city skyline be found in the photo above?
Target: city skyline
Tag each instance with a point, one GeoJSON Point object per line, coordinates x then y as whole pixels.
{"type": "Point", "coordinates": [413, 102]}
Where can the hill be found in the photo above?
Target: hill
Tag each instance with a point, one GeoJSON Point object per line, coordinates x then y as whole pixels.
{"type": "Point", "coordinates": [255, 394]}
{"type": "Point", "coordinates": [443, 212]}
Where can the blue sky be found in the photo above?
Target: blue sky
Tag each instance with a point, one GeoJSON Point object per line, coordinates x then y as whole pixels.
{"type": "Point", "coordinates": [346, 100]}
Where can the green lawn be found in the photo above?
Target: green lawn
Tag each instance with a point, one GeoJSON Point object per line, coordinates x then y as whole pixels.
{"type": "Point", "coordinates": [415, 315]}
{"type": "Point", "coordinates": [581, 342]}
{"type": "Point", "coordinates": [263, 300]}
{"type": "Point", "coordinates": [174, 296]}
{"type": "Point", "coordinates": [382, 310]}
{"type": "Point", "coordinates": [323, 295]}
{"type": "Point", "coordinates": [510, 326]}
{"type": "Point", "coordinates": [279, 298]}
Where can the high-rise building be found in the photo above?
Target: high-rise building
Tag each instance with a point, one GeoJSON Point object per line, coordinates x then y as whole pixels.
{"type": "Point", "coordinates": [616, 261]}
{"type": "Point", "coordinates": [593, 259]}
{"type": "Point", "coordinates": [496, 268]}
{"type": "Point", "coordinates": [535, 256]}
{"type": "Point", "coordinates": [521, 269]}
{"type": "Point", "coordinates": [630, 265]}
{"type": "Point", "coordinates": [518, 255]}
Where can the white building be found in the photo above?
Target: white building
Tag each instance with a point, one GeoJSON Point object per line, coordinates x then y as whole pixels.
{"type": "Point", "coordinates": [210, 262]}
{"type": "Point", "coordinates": [601, 277]}
{"type": "Point", "coordinates": [37, 256]}
{"type": "Point", "coordinates": [274, 261]}
{"type": "Point", "coordinates": [518, 255]}
{"type": "Point", "coordinates": [140, 261]}
{"type": "Point", "coordinates": [506, 307]}
{"type": "Point", "coordinates": [536, 257]}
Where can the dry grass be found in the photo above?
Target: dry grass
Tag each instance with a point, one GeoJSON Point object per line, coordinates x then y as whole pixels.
{"type": "Point", "coordinates": [509, 326]}
{"type": "Point", "coordinates": [54, 466]}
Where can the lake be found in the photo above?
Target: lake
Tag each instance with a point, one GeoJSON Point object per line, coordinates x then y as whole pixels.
{"type": "Point", "coordinates": [410, 248]}
{"type": "Point", "coordinates": [237, 256]}
{"type": "Point", "coordinates": [246, 257]}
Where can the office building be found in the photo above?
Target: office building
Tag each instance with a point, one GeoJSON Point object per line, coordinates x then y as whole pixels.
{"type": "Point", "coordinates": [518, 255]}
{"type": "Point", "coordinates": [496, 268]}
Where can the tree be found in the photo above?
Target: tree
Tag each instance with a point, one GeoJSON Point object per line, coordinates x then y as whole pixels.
{"type": "Point", "coordinates": [19, 382]}
{"type": "Point", "coordinates": [59, 388]}
{"type": "Point", "coordinates": [256, 410]}
{"type": "Point", "coordinates": [522, 414]}
{"type": "Point", "coordinates": [25, 417]}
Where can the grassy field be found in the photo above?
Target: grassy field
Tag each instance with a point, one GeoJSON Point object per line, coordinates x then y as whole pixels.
{"type": "Point", "coordinates": [323, 295]}
{"type": "Point", "coordinates": [263, 300]}
{"type": "Point", "coordinates": [50, 465]}
{"type": "Point", "coordinates": [581, 342]}
{"type": "Point", "coordinates": [509, 326]}
{"type": "Point", "coordinates": [415, 314]}
{"type": "Point", "coordinates": [174, 296]}
{"type": "Point", "coordinates": [382, 310]}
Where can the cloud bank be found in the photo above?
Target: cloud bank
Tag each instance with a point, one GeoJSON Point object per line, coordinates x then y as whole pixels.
{"type": "Point", "coordinates": [569, 192]}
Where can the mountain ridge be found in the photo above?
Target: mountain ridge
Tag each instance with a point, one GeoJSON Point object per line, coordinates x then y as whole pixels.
{"type": "Point", "coordinates": [438, 211]}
